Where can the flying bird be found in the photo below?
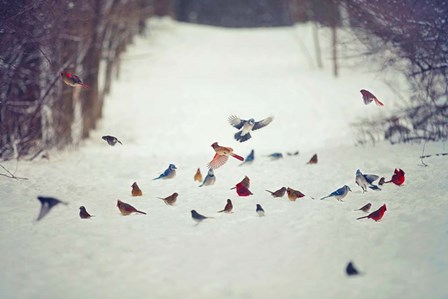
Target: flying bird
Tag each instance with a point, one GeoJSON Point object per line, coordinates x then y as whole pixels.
{"type": "Point", "coordinates": [366, 180]}
{"type": "Point", "coordinates": [222, 155]}
{"type": "Point", "coordinates": [278, 193]}
{"type": "Point", "coordinates": [198, 176]}
{"type": "Point", "coordinates": [376, 215]}
{"type": "Point", "coordinates": [368, 97]}
{"type": "Point", "coordinates": [127, 209]}
{"type": "Point", "coordinates": [365, 208]}
{"type": "Point", "coordinates": [398, 178]}
{"type": "Point", "coordinates": [340, 193]}
{"type": "Point", "coordinates": [246, 126]}
{"type": "Point", "coordinates": [275, 156]}
{"type": "Point", "coordinates": [294, 194]}
{"type": "Point", "coordinates": [136, 190]}
{"type": "Point", "coordinates": [72, 80]}
{"type": "Point", "coordinates": [245, 182]}
{"type": "Point", "coordinates": [313, 159]}
{"type": "Point", "coordinates": [249, 159]}
{"type": "Point", "coordinates": [111, 140]}
{"type": "Point", "coordinates": [46, 204]}
{"type": "Point", "coordinates": [170, 200]}
{"type": "Point", "coordinates": [169, 173]}
{"type": "Point", "coordinates": [198, 217]}
{"type": "Point", "coordinates": [259, 210]}
{"type": "Point", "coordinates": [228, 208]}
{"type": "Point", "coordinates": [83, 213]}
{"type": "Point", "coordinates": [296, 153]}
{"type": "Point", "coordinates": [210, 179]}
{"type": "Point", "coordinates": [242, 190]}
{"type": "Point", "coordinates": [351, 270]}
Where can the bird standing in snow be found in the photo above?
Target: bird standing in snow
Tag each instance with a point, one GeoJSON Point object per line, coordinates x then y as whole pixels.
{"type": "Point", "coordinates": [198, 176]}
{"type": "Point", "coordinates": [136, 190]}
{"type": "Point", "coordinates": [259, 210]}
{"type": "Point", "coordinates": [72, 80]}
{"type": "Point", "coordinates": [366, 180]}
{"type": "Point", "coordinates": [340, 193]}
{"type": "Point", "coordinates": [83, 213]}
{"type": "Point", "coordinates": [398, 178]}
{"type": "Point", "coordinates": [246, 126]}
{"type": "Point", "coordinates": [376, 215]}
{"type": "Point", "coordinates": [278, 193]}
{"type": "Point", "coordinates": [313, 159]}
{"type": "Point", "coordinates": [169, 173]}
{"type": "Point", "coordinates": [368, 97]}
{"type": "Point", "coordinates": [294, 194]}
{"type": "Point", "coordinates": [275, 156]}
{"type": "Point", "coordinates": [111, 140]}
{"type": "Point", "coordinates": [249, 159]}
{"type": "Point", "coordinates": [170, 200]}
{"type": "Point", "coordinates": [210, 179]}
{"type": "Point", "coordinates": [351, 270]}
{"type": "Point", "coordinates": [127, 209]}
{"type": "Point", "coordinates": [242, 190]}
{"type": "Point", "coordinates": [198, 217]}
{"type": "Point", "coordinates": [228, 208]}
{"type": "Point", "coordinates": [46, 204]}
{"type": "Point", "coordinates": [245, 182]}
{"type": "Point", "coordinates": [222, 155]}
{"type": "Point", "coordinates": [365, 208]}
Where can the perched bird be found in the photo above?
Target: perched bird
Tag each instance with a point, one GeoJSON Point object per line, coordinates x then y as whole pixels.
{"type": "Point", "coordinates": [294, 194]}
{"type": "Point", "coordinates": [127, 209]}
{"type": "Point", "coordinates": [351, 270]}
{"type": "Point", "coordinates": [228, 208]}
{"type": "Point", "coordinates": [340, 193]}
{"type": "Point", "coordinates": [275, 156]}
{"type": "Point", "coordinates": [242, 190]}
{"type": "Point", "coordinates": [313, 159]}
{"type": "Point", "coordinates": [198, 217]}
{"type": "Point", "coordinates": [72, 80]}
{"type": "Point", "coordinates": [222, 155]}
{"type": "Point", "coordinates": [398, 178]}
{"type": "Point", "coordinates": [169, 173]}
{"type": "Point", "coordinates": [249, 159]}
{"type": "Point", "coordinates": [246, 126]}
{"type": "Point", "coordinates": [376, 215]}
{"type": "Point", "coordinates": [245, 182]}
{"type": "Point", "coordinates": [83, 213]}
{"type": "Point", "coordinates": [170, 200]}
{"type": "Point", "coordinates": [365, 208]}
{"type": "Point", "coordinates": [198, 176]}
{"type": "Point", "coordinates": [46, 204]}
{"type": "Point", "coordinates": [260, 210]}
{"type": "Point", "coordinates": [368, 97]}
{"type": "Point", "coordinates": [111, 140]}
{"type": "Point", "coordinates": [366, 180]}
{"type": "Point", "coordinates": [136, 190]}
{"type": "Point", "coordinates": [210, 179]}
{"type": "Point", "coordinates": [296, 153]}
{"type": "Point", "coordinates": [278, 193]}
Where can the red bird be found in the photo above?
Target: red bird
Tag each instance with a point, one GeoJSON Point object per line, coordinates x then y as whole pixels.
{"type": "Point", "coordinates": [245, 182]}
{"type": "Point", "coordinates": [242, 190]}
{"type": "Point", "coordinates": [228, 208]}
{"type": "Point", "coordinates": [397, 178]}
{"type": "Point", "coordinates": [368, 97]}
{"type": "Point", "coordinates": [222, 155]}
{"type": "Point", "coordinates": [72, 80]}
{"type": "Point", "coordinates": [377, 215]}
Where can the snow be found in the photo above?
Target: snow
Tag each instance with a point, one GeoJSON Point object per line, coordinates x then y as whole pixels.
{"type": "Point", "coordinates": [177, 88]}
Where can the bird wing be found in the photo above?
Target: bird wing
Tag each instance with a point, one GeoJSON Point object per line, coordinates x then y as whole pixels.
{"type": "Point", "coordinates": [262, 123]}
{"type": "Point", "coordinates": [370, 178]}
{"type": "Point", "coordinates": [236, 122]}
{"type": "Point", "coordinates": [217, 161]}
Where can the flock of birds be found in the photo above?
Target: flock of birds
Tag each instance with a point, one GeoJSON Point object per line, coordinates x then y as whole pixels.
{"type": "Point", "coordinates": [221, 156]}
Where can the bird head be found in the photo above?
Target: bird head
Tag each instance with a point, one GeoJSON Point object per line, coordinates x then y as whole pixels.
{"type": "Point", "coordinates": [251, 121]}
{"type": "Point", "coordinates": [175, 194]}
{"type": "Point", "coordinates": [383, 207]}
{"type": "Point", "coordinates": [119, 202]}
{"type": "Point", "coordinates": [358, 172]}
{"type": "Point", "coordinates": [172, 167]}
{"type": "Point", "coordinates": [82, 208]}
{"type": "Point", "coordinates": [348, 188]}
{"type": "Point", "coordinates": [214, 144]}
{"type": "Point", "coordinates": [134, 185]}
{"type": "Point", "coordinates": [229, 201]}
{"type": "Point", "coordinates": [211, 172]}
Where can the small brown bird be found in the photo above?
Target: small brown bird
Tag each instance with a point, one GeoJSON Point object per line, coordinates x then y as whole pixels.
{"type": "Point", "coordinates": [83, 213]}
{"type": "Point", "coordinates": [228, 208]}
{"type": "Point", "coordinates": [170, 200]}
{"type": "Point", "coordinates": [222, 154]}
{"type": "Point", "coordinates": [313, 159]}
{"type": "Point", "coordinates": [245, 182]}
{"type": "Point", "coordinates": [198, 176]}
{"type": "Point", "coordinates": [365, 208]}
{"type": "Point", "coordinates": [279, 193]}
{"type": "Point", "coordinates": [136, 190]}
{"type": "Point", "coordinates": [127, 209]}
{"type": "Point", "coordinates": [294, 194]}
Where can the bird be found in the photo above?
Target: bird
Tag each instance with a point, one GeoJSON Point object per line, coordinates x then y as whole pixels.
{"type": "Point", "coordinates": [222, 155]}
{"type": "Point", "coordinates": [365, 208]}
{"type": "Point", "coordinates": [72, 80]}
{"type": "Point", "coordinates": [170, 200]}
{"type": "Point", "coordinates": [246, 126]}
{"type": "Point", "coordinates": [127, 209]}
{"type": "Point", "coordinates": [398, 178]}
{"type": "Point", "coordinates": [242, 190]}
{"type": "Point", "coordinates": [83, 213]}
{"type": "Point", "coordinates": [245, 182]}
{"type": "Point", "coordinates": [275, 156]}
{"type": "Point", "coordinates": [136, 190]}
{"type": "Point", "coordinates": [111, 140]}
{"type": "Point", "coordinates": [198, 217]}
{"type": "Point", "coordinates": [169, 173]}
{"type": "Point", "coordinates": [376, 215]}
{"type": "Point", "coordinates": [296, 153]}
{"type": "Point", "coordinates": [46, 204]}
{"type": "Point", "coordinates": [198, 176]}
{"type": "Point", "coordinates": [210, 179]}
{"type": "Point", "coordinates": [340, 193]}
{"type": "Point", "coordinates": [368, 97]}
{"type": "Point", "coordinates": [228, 208]}
{"type": "Point", "coordinates": [351, 270]}
{"type": "Point", "coordinates": [259, 210]}
{"type": "Point", "coordinates": [249, 159]}
{"type": "Point", "coordinates": [294, 194]}
{"type": "Point", "coordinates": [366, 180]}
{"type": "Point", "coordinates": [278, 193]}
{"type": "Point", "coordinates": [313, 159]}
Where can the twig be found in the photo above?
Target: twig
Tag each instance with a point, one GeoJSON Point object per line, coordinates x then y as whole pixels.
{"type": "Point", "coordinates": [11, 176]}
{"type": "Point", "coordinates": [422, 155]}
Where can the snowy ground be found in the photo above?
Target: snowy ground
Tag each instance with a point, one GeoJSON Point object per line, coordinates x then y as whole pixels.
{"type": "Point", "coordinates": [178, 87]}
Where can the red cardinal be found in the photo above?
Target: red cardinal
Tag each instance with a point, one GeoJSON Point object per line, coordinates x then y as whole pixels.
{"type": "Point", "coordinates": [368, 97]}
{"type": "Point", "coordinates": [222, 155]}
{"type": "Point", "coordinates": [377, 215]}
{"type": "Point", "coordinates": [242, 190]}
{"type": "Point", "coordinates": [245, 182]}
{"type": "Point", "coordinates": [397, 178]}
{"type": "Point", "coordinates": [72, 80]}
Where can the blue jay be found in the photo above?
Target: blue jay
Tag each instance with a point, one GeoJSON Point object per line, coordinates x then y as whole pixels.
{"type": "Point", "coordinates": [275, 156]}
{"type": "Point", "coordinates": [246, 126]}
{"type": "Point", "coordinates": [169, 173]}
{"type": "Point", "coordinates": [366, 180]}
{"type": "Point", "coordinates": [340, 193]}
{"type": "Point", "coordinates": [198, 217]}
{"type": "Point", "coordinates": [210, 179]}
{"type": "Point", "coordinates": [250, 158]}
{"type": "Point", "coordinates": [260, 210]}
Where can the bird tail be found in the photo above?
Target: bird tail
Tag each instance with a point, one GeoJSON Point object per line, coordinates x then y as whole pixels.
{"type": "Point", "coordinates": [156, 178]}
{"type": "Point", "coordinates": [221, 211]}
{"type": "Point", "coordinates": [375, 187]}
{"type": "Point", "coordinates": [270, 191]}
{"type": "Point", "coordinates": [237, 157]}
{"type": "Point", "coordinates": [362, 217]}
{"type": "Point", "coordinates": [140, 212]}
{"type": "Point", "coordinates": [85, 86]}
{"type": "Point", "coordinates": [325, 197]}
{"type": "Point", "coordinates": [119, 142]}
{"type": "Point", "coordinates": [377, 102]}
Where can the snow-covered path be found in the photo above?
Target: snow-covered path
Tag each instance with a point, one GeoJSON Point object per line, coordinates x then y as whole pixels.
{"type": "Point", "coordinates": [176, 91]}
